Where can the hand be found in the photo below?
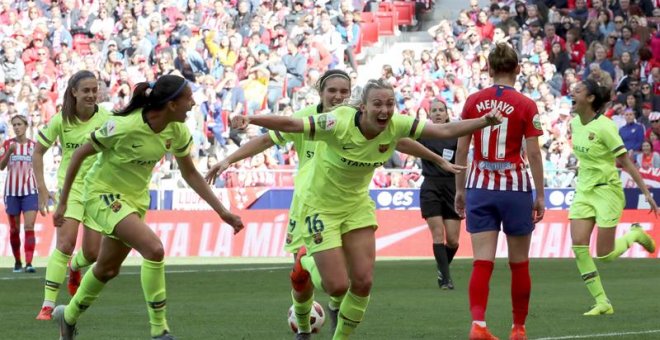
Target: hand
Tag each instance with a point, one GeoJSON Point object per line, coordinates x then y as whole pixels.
{"type": "Point", "coordinates": [653, 206]}
{"type": "Point", "coordinates": [234, 221]}
{"type": "Point", "coordinates": [58, 215]}
{"type": "Point", "coordinates": [494, 117]}
{"type": "Point", "coordinates": [240, 122]}
{"type": "Point", "coordinates": [451, 167]}
{"type": "Point", "coordinates": [44, 197]}
{"type": "Point", "coordinates": [539, 209]}
{"type": "Point", "coordinates": [459, 203]}
{"type": "Point", "coordinates": [216, 170]}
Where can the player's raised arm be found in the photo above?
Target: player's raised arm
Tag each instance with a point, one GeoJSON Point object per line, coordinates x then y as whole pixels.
{"type": "Point", "coordinates": [271, 122]}
{"type": "Point", "coordinates": [414, 148]}
{"type": "Point", "coordinates": [249, 149]}
{"type": "Point", "coordinates": [462, 128]}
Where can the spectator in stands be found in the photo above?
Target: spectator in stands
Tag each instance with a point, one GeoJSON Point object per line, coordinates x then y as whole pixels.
{"type": "Point", "coordinates": [232, 97]}
{"type": "Point", "coordinates": [627, 44]}
{"type": "Point", "coordinates": [296, 65]}
{"type": "Point", "coordinates": [647, 158]}
{"type": "Point", "coordinates": [632, 133]}
{"type": "Point", "coordinates": [350, 34]}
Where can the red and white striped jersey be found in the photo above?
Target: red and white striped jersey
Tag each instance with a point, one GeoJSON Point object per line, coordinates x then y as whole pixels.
{"type": "Point", "coordinates": [498, 162]}
{"type": "Point", "coordinates": [20, 177]}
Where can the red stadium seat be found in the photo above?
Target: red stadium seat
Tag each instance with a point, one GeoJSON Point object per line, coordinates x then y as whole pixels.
{"type": "Point", "coordinates": [405, 12]}
{"type": "Point", "coordinates": [385, 7]}
{"type": "Point", "coordinates": [369, 33]}
{"type": "Point", "coordinates": [367, 17]}
{"type": "Point", "coordinates": [386, 22]}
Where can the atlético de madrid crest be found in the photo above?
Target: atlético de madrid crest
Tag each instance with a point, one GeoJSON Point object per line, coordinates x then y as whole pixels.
{"type": "Point", "coordinates": [383, 147]}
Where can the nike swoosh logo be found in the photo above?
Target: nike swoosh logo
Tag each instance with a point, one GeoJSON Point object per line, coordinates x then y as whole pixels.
{"type": "Point", "coordinates": [136, 145]}
{"type": "Point", "coordinates": [67, 130]}
{"type": "Point", "coordinates": [388, 240]}
{"type": "Point", "coordinates": [348, 147]}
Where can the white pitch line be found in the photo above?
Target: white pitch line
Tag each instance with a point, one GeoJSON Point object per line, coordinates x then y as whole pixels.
{"type": "Point", "coordinates": [26, 276]}
{"type": "Point", "coordinates": [602, 335]}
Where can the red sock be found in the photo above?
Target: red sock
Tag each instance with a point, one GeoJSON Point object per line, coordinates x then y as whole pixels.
{"type": "Point", "coordinates": [29, 246]}
{"type": "Point", "coordinates": [521, 287]}
{"type": "Point", "coordinates": [479, 286]}
{"type": "Point", "coordinates": [15, 237]}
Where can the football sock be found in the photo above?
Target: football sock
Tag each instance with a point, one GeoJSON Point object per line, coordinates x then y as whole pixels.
{"type": "Point", "coordinates": [15, 237]}
{"type": "Point", "coordinates": [55, 274]}
{"type": "Point", "coordinates": [589, 273]}
{"type": "Point", "coordinates": [335, 302]}
{"type": "Point", "coordinates": [441, 259]}
{"type": "Point", "coordinates": [351, 313]}
{"type": "Point", "coordinates": [303, 310]}
{"type": "Point", "coordinates": [89, 290]}
{"type": "Point", "coordinates": [152, 275]}
{"type": "Point", "coordinates": [309, 265]}
{"type": "Point", "coordinates": [79, 261]}
{"type": "Point", "coordinates": [621, 244]}
{"type": "Point", "coordinates": [451, 252]}
{"type": "Point", "coordinates": [521, 287]}
{"type": "Point", "coordinates": [479, 288]}
{"type": "Point", "coordinates": [29, 246]}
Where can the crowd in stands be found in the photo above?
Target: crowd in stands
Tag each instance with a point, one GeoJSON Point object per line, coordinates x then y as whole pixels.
{"type": "Point", "coordinates": [256, 57]}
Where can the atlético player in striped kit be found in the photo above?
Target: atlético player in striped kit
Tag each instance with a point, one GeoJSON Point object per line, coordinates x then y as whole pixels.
{"type": "Point", "coordinates": [499, 189]}
{"type": "Point", "coordinates": [20, 191]}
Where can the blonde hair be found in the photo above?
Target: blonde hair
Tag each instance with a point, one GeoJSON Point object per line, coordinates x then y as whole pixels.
{"type": "Point", "coordinates": [372, 84]}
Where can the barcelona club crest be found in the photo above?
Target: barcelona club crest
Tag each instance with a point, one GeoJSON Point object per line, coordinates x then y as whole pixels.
{"type": "Point", "coordinates": [318, 238]}
{"type": "Point", "coordinates": [289, 238]}
{"type": "Point", "coordinates": [592, 136]}
{"type": "Point", "coordinates": [383, 147]}
{"type": "Point", "coordinates": [168, 143]}
{"type": "Point", "coordinates": [115, 206]}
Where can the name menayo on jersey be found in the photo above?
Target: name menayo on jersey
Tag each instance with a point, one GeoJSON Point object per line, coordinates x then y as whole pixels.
{"type": "Point", "coordinates": [493, 104]}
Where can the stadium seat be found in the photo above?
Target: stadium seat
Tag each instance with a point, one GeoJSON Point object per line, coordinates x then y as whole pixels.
{"type": "Point", "coordinates": [385, 7]}
{"type": "Point", "coordinates": [369, 33]}
{"type": "Point", "coordinates": [386, 22]}
{"type": "Point", "coordinates": [405, 12]}
{"type": "Point", "coordinates": [367, 17]}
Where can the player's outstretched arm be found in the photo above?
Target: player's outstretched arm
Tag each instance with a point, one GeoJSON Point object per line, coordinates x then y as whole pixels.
{"type": "Point", "coordinates": [197, 183]}
{"type": "Point", "coordinates": [38, 169]}
{"type": "Point", "coordinates": [414, 148]}
{"type": "Point", "coordinates": [76, 161]}
{"type": "Point", "coordinates": [461, 160]}
{"type": "Point", "coordinates": [461, 128]}
{"type": "Point", "coordinates": [630, 168]}
{"type": "Point", "coordinates": [249, 149]}
{"type": "Point", "coordinates": [271, 122]}
{"type": "Point", "coordinates": [536, 166]}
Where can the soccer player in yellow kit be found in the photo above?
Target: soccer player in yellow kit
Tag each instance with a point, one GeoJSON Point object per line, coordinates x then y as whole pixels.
{"type": "Point", "coordinates": [334, 87]}
{"type": "Point", "coordinates": [599, 195]}
{"type": "Point", "coordinates": [71, 126]}
{"type": "Point", "coordinates": [338, 216]}
{"type": "Point", "coordinates": [117, 194]}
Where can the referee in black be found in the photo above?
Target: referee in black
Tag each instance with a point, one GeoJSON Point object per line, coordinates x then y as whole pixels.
{"type": "Point", "coordinates": [437, 198]}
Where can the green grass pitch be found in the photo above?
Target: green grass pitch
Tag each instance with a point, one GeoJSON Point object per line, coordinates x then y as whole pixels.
{"type": "Point", "coordinates": [250, 301]}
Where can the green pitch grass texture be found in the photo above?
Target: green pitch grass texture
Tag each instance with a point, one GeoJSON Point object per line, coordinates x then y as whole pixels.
{"type": "Point", "coordinates": [250, 301]}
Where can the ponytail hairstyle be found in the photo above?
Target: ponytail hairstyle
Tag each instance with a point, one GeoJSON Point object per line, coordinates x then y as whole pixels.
{"type": "Point", "coordinates": [601, 94]}
{"type": "Point", "coordinates": [69, 113]}
{"type": "Point", "coordinates": [502, 59]}
{"type": "Point", "coordinates": [154, 95]}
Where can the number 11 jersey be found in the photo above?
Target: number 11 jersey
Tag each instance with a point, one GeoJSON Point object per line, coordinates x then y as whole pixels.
{"type": "Point", "coordinates": [498, 162]}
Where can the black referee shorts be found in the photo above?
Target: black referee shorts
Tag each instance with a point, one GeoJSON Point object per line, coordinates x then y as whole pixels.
{"type": "Point", "coordinates": [436, 198]}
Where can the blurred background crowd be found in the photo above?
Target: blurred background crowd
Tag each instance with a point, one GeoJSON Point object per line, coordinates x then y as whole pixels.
{"type": "Point", "coordinates": [264, 57]}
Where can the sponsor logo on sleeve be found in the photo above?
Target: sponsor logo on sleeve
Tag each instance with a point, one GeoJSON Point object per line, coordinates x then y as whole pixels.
{"type": "Point", "coordinates": [327, 121]}
{"type": "Point", "coordinates": [536, 120]}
